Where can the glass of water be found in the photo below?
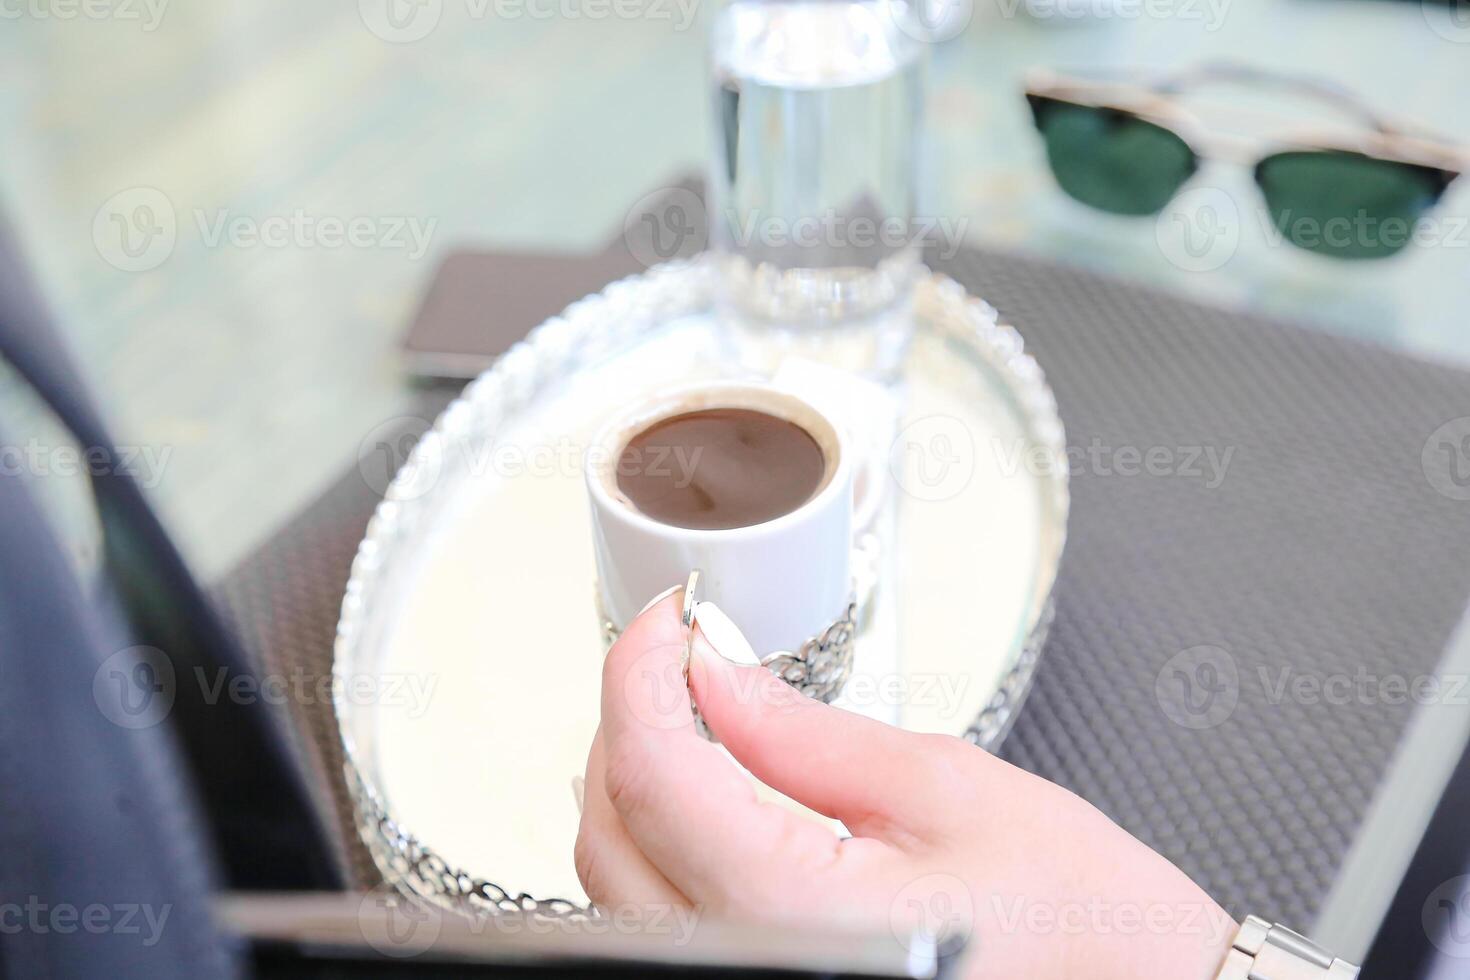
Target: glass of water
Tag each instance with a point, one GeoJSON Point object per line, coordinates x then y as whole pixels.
{"type": "Point", "coordinates": [818, 110]}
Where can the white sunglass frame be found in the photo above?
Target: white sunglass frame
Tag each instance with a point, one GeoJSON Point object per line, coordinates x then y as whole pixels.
{"type": "Point", "coordinates": [1158, 102]}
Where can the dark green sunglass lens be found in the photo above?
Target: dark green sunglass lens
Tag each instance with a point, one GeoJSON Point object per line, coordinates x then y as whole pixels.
{"type": "Point", "coordinates": [1344, 204]}
{"type": "Point", "coordinates": [1110, 159]}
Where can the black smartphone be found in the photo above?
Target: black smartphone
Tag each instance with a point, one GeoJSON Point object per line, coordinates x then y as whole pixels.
{"type": "Point", "coordinates": [481, 302]}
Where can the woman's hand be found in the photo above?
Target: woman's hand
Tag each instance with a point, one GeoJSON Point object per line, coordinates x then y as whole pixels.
{"type": "Point", "coordinates": [945, 836]}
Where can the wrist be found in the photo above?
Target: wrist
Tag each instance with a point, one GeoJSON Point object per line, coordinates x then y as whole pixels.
{"type": "Point", "coordinates": [1193, 946]}
{"type": "Point", "coordinates": [1103, 939]}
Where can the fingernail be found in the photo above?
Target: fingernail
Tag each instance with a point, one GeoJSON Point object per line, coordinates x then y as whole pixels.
{"type": "Point", "coordinates": [579, 791]}
{"type": "Point", "coordinates": [724, 636]}
{"type": "Point", "coordinates": [659, 598]}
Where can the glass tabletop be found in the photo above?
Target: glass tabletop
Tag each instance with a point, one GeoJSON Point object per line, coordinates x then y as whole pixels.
{"type": "Point", "coordinates": [251, 334]}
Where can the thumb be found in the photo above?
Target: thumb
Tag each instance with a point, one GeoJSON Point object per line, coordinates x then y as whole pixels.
{"type": "Point", "coordinates": [880, 781]}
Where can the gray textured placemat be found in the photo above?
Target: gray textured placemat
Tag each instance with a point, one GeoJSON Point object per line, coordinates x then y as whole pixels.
{"type": "Point", "coordinates": [1325, 552]}
{"type": "Point", "coordinates": [285, 598]}
{"type": "Point", "coordinates": [1315, 542]}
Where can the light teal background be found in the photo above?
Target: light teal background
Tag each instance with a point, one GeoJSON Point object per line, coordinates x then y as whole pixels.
{"type": "Point", "coordinates": [259, 370]}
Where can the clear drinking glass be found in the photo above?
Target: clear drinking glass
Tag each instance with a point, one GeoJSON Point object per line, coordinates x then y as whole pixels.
{"type": "Point", "coordinates": [818, 110]}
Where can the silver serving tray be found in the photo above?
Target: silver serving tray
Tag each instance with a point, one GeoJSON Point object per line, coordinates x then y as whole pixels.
{"type": "Point", "coordinates": [467, 659]}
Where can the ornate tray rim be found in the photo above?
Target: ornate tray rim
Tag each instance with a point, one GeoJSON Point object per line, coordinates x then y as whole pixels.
{"type": "Point", "coordinates": [582, 332]}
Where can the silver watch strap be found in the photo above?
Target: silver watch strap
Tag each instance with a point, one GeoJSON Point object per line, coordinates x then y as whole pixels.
{"type": "Point", "coordinates": [1265, 952]}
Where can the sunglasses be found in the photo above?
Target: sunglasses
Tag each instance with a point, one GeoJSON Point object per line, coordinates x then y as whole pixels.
{"type": "Point", "coordinates": [1127, 148]}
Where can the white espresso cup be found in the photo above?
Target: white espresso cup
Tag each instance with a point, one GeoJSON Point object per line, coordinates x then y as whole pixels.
{"type": "Point", "coordinates": [782, 582]}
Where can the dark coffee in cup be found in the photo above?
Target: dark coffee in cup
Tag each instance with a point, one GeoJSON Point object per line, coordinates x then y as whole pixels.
{"type": "Point", "coordinates": [720, 468]}
{"type": "Point", "coordinates": [744, 482]}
